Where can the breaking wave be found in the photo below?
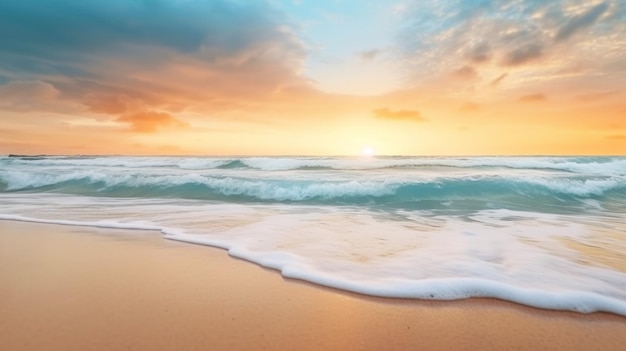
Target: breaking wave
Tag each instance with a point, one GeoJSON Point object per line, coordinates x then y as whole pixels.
{"type": "Point", "coordinates": [481, 191]}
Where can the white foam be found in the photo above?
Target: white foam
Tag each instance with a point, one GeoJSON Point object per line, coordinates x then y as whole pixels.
{"type": "Point", "coordinates": [615, 166]}
{"type": "Point", "coordinates": [201, 163]}
{"type": "Point", "coordinates": [579, 187]}
{"type": "Point", "coordinates": [95, 224]}
{"type": "Point", "coordinates": [302, 187]}
{"type": "Point", "coordinates": [514, 256]}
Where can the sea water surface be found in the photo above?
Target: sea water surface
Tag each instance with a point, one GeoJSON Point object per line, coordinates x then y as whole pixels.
{"type": "Point", "coordinates": [548, 232]}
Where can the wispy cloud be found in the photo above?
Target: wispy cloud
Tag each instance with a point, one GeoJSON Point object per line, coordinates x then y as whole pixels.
{"type": "Point", "coordinates": [533, 98]}
{"type": "Point", "coordinates": [411, 115]}
{"type": "Point", "coordinates": [33, 96]}
{"type": "Point", "coordinates": [578, 22]}
{"type": "Point", "coordinates": [26, 94]}
{"type": "Point", "coordinates": [369, 55]}
{"type": "Point", "coordinates": [498, 79]}
{"type": "Point", "coordinates": [527, 38]}
{"type": "Point", "coordinates": [464, 73]}
{"type": "Point", "coordinates": [523, 54]}
{"type": "Point", "coordinates": [596, 96]}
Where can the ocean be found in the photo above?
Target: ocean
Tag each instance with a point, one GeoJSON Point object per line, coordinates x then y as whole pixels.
{"type": "Point", "coordinates": [547, 232]}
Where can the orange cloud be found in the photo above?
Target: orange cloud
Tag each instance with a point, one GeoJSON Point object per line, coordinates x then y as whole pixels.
{"type": "Point", "coordinates": [533, 98]}
{"type": "Point", "coordinates": [150, 121]}
{"type": "Point", "coordinates": [411, 115]}
{"type": "Point", "coordinates": [186, 62]}
{"type": "Point", "coordinates": [469, 107]}
{"type": "Point", "coordinates": [113, 103]}
{"type": "Point", "coordinates": [596, 96]}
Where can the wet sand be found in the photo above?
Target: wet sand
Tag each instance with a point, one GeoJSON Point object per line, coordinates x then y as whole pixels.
{"type": "Point", "coordinates": [77, 288]}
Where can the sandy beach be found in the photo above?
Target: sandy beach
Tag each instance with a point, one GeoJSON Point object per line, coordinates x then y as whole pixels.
{"type": "Point", "coordinates": [78, 288]}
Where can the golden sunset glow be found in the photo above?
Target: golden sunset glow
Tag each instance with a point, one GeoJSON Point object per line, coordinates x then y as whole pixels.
{"type": "Point", "coordinates": [367, 151]}
{"type": "Point", "coordinates": [222, 77]}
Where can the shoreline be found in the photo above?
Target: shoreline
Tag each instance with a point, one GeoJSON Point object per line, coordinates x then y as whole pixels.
{"type": "Point", "coordinates": [600, 307]}
{"type": "Point", "coordinates": [84, 288]}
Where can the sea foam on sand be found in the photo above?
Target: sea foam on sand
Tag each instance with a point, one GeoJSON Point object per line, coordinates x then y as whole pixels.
{"type": "Point", "coordinates": [514, 256]}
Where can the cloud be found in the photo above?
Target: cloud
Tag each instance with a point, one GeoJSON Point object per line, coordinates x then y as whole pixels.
{"type": "Point", "coordinates": [523, 54]}
{"type": "Point", "coordinates": [121, 58]}
{"type": "Point", "coordinates": [581, 21]}
{"type": "Point", "coordinates": [479, 53]}
{"type": "Point", "coordinates": [32, 89]}
{"type": "Point", "coordinates": [150, 121]}
{"type": "Point", "coordinates": [469, 107]}
{"type": "Point", "coordinates": [616, 136]}
{"type": "Point", "coordinates": [596, 96]}
{"type": "Point", "coordinates": [498, 80]}
{"type": "Point", "coordinates": [465, 73]}
{"type": "Point", "coordinates": [115, 103]}
{"type": "Point", "coordinates": [31, 96]}
{"type": "Point", "coordinates": [533, 98]}
{"type": "Point", "coordinates": [369, 55]}
{"type": "Point", "coordinates": [529, 37]}
{"type": "Point", "coordinates": [386, 113]}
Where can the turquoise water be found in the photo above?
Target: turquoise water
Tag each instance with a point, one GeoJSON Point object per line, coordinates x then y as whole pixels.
{"type": "Point", "coordinates": [465, 184]}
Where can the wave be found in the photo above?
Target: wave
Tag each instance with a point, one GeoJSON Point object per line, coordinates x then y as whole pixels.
{"type": "Point", "coordinates": [291, 265]}
{"type": "Point", "coordinates": [581, 165]}
{"type": "Point", "coordinates": [482, 191]}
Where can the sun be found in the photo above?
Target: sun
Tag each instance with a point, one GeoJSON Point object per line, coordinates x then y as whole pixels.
{"type": "Point", "coordinates": [367, 151]}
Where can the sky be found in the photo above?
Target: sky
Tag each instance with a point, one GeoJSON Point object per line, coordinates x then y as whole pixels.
{"type": "Point", "coordinates": [313, 77]}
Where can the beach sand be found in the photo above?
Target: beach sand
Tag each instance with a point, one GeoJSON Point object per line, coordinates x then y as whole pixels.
{"type": "Point", "coordinates": [77, 288]}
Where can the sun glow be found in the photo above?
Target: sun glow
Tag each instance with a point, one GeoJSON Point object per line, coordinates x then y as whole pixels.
{"type": "Point", "coordinates": [367, 151]}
